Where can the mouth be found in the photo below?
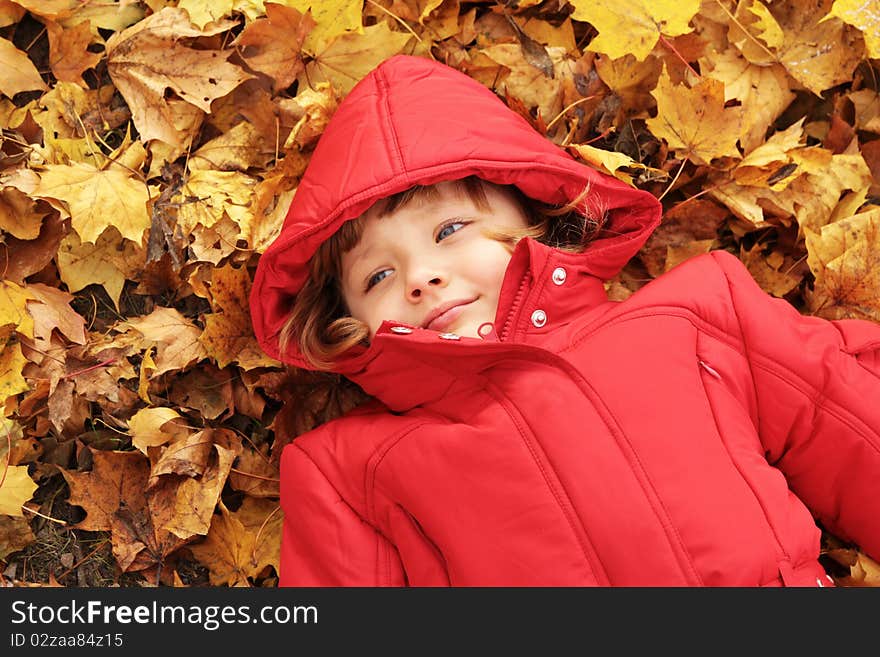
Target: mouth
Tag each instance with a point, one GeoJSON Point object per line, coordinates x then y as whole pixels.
{"type": "Point", "coordinates": [442, 316]}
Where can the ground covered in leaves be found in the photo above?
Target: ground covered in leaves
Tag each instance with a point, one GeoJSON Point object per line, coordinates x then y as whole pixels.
{"type": "Point", "coordinates": [149, 151]}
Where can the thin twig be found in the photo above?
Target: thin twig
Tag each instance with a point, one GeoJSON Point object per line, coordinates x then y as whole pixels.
{"type": "Point", "coordinates": [37, 513]}
{"type": "Point", "coordinates": [397, 18]}
{"type": "Point", "coordinates": [559, 116]}
{"type": "Point", "coordinates": [674, 180]}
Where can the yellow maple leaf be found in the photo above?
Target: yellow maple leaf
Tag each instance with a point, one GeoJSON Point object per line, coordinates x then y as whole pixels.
{"type": "Point", "coordinates": [864, 15]}
{"type": "Point", "coordinates": [209, 194]}
{"type": "Point", "coordinates": [202, 12]}
{"type": "Point", "coordinates": [612, 162]}
{"type": "Point", "coordinates": [228, 335]}
{"type": "Point", "coordinates": [763, 91]}
{"type": "Point", "coordinates": [153, 426]}
{"type": "Point", "coordinates": [96, 199]}
{"type": "Point", "coordinates": [845, 259]}
{"type": "Point", "coordinates": [12, 362]}
{"type": "Point", "coordinates": [348, 58]}
{"type": "Point", "coordinates": [16, 488]}
{"type": "Point", "coordinates": [333, 18]}
{"type": "Point", "coordinates": [149, 57]}
{"type": "Point", "coordinates": [227, 551]}
{"type": "Point", "coordinates": [13, 308]}
{"type": "Point", "coordinates": [19, 72]}
{"type": "Point", "coordinates": [81, 264]}
{"type": "Point", "coordinates": [634, 26]}
{"type": "Point", "coordinates": [694, 121]}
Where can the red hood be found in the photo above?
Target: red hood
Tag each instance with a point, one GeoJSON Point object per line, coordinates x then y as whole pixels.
{"type": "Point", "coordinates": [416, 121]}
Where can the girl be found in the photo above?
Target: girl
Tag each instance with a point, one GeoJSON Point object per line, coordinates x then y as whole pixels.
{"type": "Point", "coordinates": [525, 430]}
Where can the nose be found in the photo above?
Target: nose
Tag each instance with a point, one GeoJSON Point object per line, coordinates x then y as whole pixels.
{"type": "Point", "coordinates": [422, 281]}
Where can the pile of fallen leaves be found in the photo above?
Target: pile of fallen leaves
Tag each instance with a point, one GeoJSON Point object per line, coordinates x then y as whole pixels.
{"type": "Point", "coordinates": [149, 151]}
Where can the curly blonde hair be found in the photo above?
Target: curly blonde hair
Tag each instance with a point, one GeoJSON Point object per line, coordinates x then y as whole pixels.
{"type": "Point", "coordinates": [319, 320]}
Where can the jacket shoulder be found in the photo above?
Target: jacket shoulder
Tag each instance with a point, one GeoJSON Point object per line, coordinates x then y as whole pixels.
{"type": "Point", "coordinates": [345, 450]}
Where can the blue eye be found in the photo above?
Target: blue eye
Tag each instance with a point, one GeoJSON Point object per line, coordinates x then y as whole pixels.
{"type": "Point", "coordinates": [448, 229]}
{"type": "Point", "coordinates": [377, 278]}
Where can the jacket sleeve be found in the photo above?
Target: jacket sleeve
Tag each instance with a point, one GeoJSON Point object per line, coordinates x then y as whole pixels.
{"type": "Point", "coordinates": [324, 541]}
{"type": "Point", "coordinates": [817, 404]}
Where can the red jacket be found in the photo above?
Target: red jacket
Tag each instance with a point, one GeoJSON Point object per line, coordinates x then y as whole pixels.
{"type": "Point", "coordinates": [686, 436]}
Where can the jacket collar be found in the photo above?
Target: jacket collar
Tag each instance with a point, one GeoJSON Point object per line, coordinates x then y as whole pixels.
{"type": "Point", "coordinates": [406, 366]}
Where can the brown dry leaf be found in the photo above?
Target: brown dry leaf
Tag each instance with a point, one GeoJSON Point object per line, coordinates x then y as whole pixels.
{"type": "Point", "coordinates": [348, 58]}
{"type": "Point", "coordinates": [867, 107]}
{"type": "Point", "coordinates": [16, 488]}
{"type": "Point", "coordinates": [15, 535]}
{"type": "Point", "coordinates": [176, 338]}
{"type": "Point", "coordinates": [189, 502]}
{"type": "Point", "coordinates": [19, 72]}
{"type": "Point", "coordinates": [255, 474]}
{"type": "Point", "coordinates": [117, 480]}
{"type": "Point", "coordinates": [530, 84]}
{"type": "Point", "coordinates": [68, 55]}
{"type": "Point", "coordinates": [205, 390]}
{"type": "Point", "coordinates": [631, 80]}
{"type": "Point", "coordinates": [845, 259]}
{"type": "Point", "coordinates": [272, 45]}
{"type": "Point", "coordinates": [50, 308]}
{"type": "Point", "coordinates": [149, 57]}
{"type": "Point", "coordinates": [264, 519]}
{"type": "Point", "coordinates": [228, 336]}
{"type": "Point", "coordinates": [24, 258]}
{"type": "Point", "coordinates": [95, 199]}
{"type": "Point", "coordinates": [187, 456]}
{"type": "Point", "coordinates": [695, 122]}
{"type": "Point", "coordinates": [773, 280]}
{"type": "Point", "coordinates": [228, 551]}
{"type": "Point", "coordinates": [19, 215]}
{"type": "Point", "coordinates": [634, 26]}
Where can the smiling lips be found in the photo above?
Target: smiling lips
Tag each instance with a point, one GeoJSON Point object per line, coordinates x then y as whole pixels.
{"type": "Point", "coordinates": [442, 316]}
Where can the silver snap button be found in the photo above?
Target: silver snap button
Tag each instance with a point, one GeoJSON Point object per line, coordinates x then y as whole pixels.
{"type": "Point", "coordinates": [559, 276]}
{"type": "Point", "coordinates": [539, 318]}
{"type": "Point", "coordinates": [401, 329]}
{"type": "Point", "coordinates": [449, 336]}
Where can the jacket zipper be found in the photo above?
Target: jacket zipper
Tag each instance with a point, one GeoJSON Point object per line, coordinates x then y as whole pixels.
{"type": "Point", "coordinates": [514, 309]}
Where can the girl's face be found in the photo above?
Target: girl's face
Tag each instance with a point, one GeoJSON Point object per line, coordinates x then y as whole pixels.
{"type": "Point", "coordinates": [429, 263]}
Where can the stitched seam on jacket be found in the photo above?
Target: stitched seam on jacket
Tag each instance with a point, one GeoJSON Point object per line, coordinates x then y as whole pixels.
{"type": "Point", "coordinates": [758, 499]}
{"type": "Point", "coordinates": [373, 464]}
{"type": "Point", "coordinates": [817, 397]}
{"type": "Point", "coordinates": [565, 506]}
{"type": "Point", "coordinates": [638, 469]}
{"type": "Point", "coordinates": [392, 131]}
{"type": "Point", "coordinates": [381, 548]}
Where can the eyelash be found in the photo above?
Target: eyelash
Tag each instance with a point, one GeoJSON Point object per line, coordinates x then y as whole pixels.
{"type": "Point", "coordinates": [372, 280]}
